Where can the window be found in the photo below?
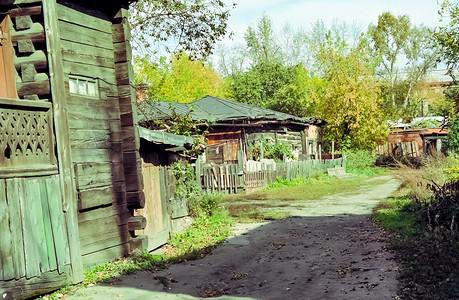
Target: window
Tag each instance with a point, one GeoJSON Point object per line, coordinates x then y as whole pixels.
{"type": "Point", "coordinates": [83, 86]}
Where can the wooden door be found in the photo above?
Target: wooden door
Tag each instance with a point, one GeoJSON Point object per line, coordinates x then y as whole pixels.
{"type": "Point", "coordinates": [155, 210]}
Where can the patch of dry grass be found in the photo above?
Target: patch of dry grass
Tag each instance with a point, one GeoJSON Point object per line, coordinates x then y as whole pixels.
{"type": "Point", "coordinates": [419, 180]}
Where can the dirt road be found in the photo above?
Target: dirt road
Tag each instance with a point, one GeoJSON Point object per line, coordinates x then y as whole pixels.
{"type": "Point", "coordinates": [328, 249]}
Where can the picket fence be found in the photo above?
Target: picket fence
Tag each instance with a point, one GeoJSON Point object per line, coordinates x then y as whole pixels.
{"type": "Point", "coordinates": [251, 176]}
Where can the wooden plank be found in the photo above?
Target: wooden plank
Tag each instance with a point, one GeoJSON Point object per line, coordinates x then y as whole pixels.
{"type": "Point", "coordinates": [15, 197]}
{"type": "Point", "coordinates": [31, 233]}
{"type": "Point", "coordinates": [91, 55]}
{"type": "Point", "coordinates": [51, 252]}
{"type": "Point", "coordinates": [72, 32]}
{"type": "Point", "coordinates": [8, 269]}
{"type": "Point", "coordinates": [36, 33]}
{"type": "Point", "coordinates": [93, 259]}
{"type": "Point", "coordinates": [37, 59]}
{"type": "Point", "coordinates": [58, 221]}
{"type": "Point", "coordinates": [73, 16]}
{"type": "Point", "coordinates": [67, 182]}
{"type": "Point", "coordinates": [156, 229]}
{"type": "Point", "coordinates": [91, 175]}
{"type": "Point", "coordinates": [123, 51]}
{"type": "Point", "coordinates": [25, 11]}
{"type": "Point", "coordinates": [94, 197]}
{"type": "Point", "coordinates": [103, 212]}
{"type": "Point", "coordinates": [137, 223]}
{"type": "Point", "coordinates": [97, 155]}
{"type": "Point", "coordinates": [34, 199]}
{"type": "Point", "coordinates": [102, 233]}
{"type": "Point", "coordinates": [25, 288]}
{"type": "Point", "coordinates": [40, 86]}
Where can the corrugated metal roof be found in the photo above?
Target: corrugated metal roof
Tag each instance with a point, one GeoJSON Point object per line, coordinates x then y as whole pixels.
{"type": "Point", "coordinates": [217, 109]}
{"type": "Point", "coordinates": [165, 138]}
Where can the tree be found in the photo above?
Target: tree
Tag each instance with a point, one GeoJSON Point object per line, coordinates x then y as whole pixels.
{"type": "Point", "coordinates": [406, 53]}
{"type": "Point", "coordinates": [447, 37]}
{"type": "Point", "coordinates": [194, 24]}
{"type": "Point", "coordinates": [351, 102]}
{"type": "Point", "coordinates": [182, 80]}
{"type": "Point", "coordinates": [262, 44]}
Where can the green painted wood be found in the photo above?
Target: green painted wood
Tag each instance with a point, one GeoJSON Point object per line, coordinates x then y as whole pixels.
{"type": "Point", "coordinates": [16, 225]}
{"type": "Point", "coordinates": [82, 19]}
{"type": "Point", "coordinates": [24, 288]}
{"type": "Point", "coordinates": [67, 192]}
{"type": "Point", "coordinates": [103, 212]}
{"type": "Point", "coordinates": [102, 233]}
{"type": "Point", "coordinates": [91, 260]}
{"type": "Point", "coordinates": [29, 222]}
{"type": "Point", "coordinates": [34, 196]}
{"type": "Point", "coordinates": [91, 175]}
{"type": "Point", "coordinates": [96, 197]}
{"type": "Point", "coordinates": [83, 35]}
{"type": "Point", "coordinates": [7, 254]}
{"type": "Point", "coordinates": [95, 56]}
{"type": "Point", "coordinates": [58, 222]}
{"type": "Point", "coordinates": [51, 252]}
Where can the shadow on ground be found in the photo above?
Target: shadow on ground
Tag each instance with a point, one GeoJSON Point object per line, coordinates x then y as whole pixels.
{"type": "Point", "coordinates": [340, 256]}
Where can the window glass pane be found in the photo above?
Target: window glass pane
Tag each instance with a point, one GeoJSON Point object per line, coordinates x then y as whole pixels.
{"type": "Point", "coordinates": [91, 88]}
{"type": "Point", "coordinates": [73, 84]}
{"type": "Point", "coordinates": [82, 87]}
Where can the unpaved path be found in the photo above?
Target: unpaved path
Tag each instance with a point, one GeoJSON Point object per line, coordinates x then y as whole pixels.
{"type": "Point", "coordinates": [328, 249]}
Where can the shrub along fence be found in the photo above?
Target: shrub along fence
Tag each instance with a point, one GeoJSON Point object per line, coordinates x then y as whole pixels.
{"type": "Point", "coordinates": [252, 175]}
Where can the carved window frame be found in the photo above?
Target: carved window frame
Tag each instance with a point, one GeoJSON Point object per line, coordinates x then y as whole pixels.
{"type": "Point", "coordinates": [27, 143]}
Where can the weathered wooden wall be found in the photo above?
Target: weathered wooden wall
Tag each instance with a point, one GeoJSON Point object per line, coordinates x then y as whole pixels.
{"type": "Point", "coordinates": [96, 136]}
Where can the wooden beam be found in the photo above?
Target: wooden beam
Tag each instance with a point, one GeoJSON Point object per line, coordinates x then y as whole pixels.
{"type": "Point", "coordinates": [137, 223]}
{"type": "Point", "coordinates": [59, 97]}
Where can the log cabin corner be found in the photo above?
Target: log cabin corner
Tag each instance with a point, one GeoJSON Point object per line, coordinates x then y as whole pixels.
{"type": "Point", "coordinates": [70, 175]}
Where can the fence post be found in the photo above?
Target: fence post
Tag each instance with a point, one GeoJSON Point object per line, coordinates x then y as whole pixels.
{"type": "Point", "coordinates": [198, 169]}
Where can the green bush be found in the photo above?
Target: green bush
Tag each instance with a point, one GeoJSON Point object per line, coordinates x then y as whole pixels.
{"type": "Point", "coordinates": [277, 151]}
{"type": "Point", "coordinates": [361, 162]}
{"type": "Point", "coordinates": [452, 139]}
{"type": "Point", "coordinates": [202, 205]}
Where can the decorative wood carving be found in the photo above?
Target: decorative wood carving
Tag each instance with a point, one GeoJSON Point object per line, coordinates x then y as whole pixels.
{"type": "Point", "coordinates": [26, 136]}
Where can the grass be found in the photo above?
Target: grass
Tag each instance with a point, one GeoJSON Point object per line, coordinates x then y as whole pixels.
{"type": "Point", "coordinates": [254, 208]}
{"type": "Point", "coordinates": [429, 264]}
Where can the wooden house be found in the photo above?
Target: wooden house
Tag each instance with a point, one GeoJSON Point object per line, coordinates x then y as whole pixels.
{"type": "Point", "coordinates": [238, 126]}
{"type": "Point", "coordinates": [70, 173]}
{"type": "Point", "coordinates": [412, 142]}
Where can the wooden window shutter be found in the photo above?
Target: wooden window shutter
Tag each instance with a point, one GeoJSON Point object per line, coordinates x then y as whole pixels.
{"type": "Point", "coordinates": [7, 72]}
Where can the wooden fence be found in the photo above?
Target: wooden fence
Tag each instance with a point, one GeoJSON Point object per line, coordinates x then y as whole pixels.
{"type": "Point", "coordinates": [399, 149]}
{"type": "Point", "coordinates": [231, 178]}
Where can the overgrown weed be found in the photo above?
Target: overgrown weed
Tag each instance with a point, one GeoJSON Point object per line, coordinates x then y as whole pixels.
{"type": "Point", "coordinates": [424, 233]}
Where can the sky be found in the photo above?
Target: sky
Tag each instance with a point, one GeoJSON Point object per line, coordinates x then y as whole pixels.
{"type": "Point", "coordinates": [300, 14]}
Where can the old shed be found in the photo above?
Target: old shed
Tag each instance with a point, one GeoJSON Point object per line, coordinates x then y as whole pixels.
{"type": "Point", "coordinates": [69, 147]}
{"type": "Point", "coordinates": [238, 126]}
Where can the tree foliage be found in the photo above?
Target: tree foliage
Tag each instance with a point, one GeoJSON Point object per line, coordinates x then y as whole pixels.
{"type": "Point", "coordinates": [194, 25]}
{"type": "Point", "coordinates": [447, 37]}
{"type": "Point", "coordinates": [351, 103]}
{"type": "Point", "coordinates": [181, 80]}
{"type": "Point", "coordinates": [406, 52]}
